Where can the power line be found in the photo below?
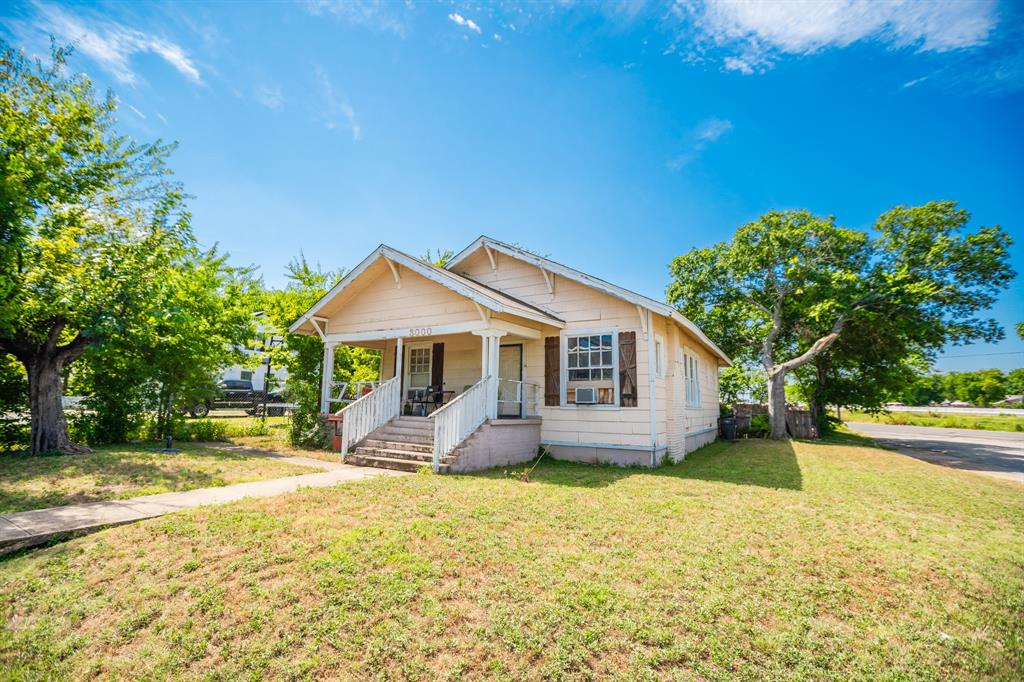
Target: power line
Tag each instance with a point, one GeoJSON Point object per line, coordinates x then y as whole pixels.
{"type": "Point", "coordinates": [983, 355]}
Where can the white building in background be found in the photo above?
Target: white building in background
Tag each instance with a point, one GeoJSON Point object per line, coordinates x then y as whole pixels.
{"type": "Point", "coordinates": [255, 368]}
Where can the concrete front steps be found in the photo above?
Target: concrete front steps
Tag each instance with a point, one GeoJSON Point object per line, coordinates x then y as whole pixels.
{"type": "Point", "coordinates": [403, 444]}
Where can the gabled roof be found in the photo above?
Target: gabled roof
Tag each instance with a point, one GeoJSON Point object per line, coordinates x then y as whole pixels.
{"type": "Point", "coordinates": [662, 309]}
{"type": "Point", "coordinates": [484, 296]}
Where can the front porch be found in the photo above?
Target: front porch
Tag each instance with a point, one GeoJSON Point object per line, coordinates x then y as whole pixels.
{"type": "Point", "coordinates": [434, 370]}
{"type": "Point", "coordinates": [433, 393]}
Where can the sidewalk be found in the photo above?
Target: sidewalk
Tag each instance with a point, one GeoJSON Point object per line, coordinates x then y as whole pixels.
{"type": "Point", "coordinates": [36, 527]}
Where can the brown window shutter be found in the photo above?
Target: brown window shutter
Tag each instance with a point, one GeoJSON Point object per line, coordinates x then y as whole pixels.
{"type": "Point", "coordinates": [552, 371]}
{"type": "Point", "coordinates": [437, 365]}
{"type": "Point", "coordinates": [627, 369]}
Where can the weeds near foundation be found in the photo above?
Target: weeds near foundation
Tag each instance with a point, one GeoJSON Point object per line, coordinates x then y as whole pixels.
{"type": "Point", "coordinates": [524, 475]}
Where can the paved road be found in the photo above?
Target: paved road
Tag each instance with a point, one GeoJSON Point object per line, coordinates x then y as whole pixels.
{"type": "Point", "coordinates": [36, 527]}
{"type": "Point", "coordinates": [994, 453]}
{"type": "Point", "coordinates": [985, 411]}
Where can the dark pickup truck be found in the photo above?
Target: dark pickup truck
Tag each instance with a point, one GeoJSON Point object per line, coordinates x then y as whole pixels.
{"type": "Point", "coordinates": [236, 394]}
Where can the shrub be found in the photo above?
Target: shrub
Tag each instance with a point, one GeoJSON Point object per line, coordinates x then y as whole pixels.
{"type": "Point", "coordinates": [201, 430]}
{"type": "Point", "coordinates": [759, 426]}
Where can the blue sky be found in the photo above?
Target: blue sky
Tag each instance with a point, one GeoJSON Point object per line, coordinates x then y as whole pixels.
{"type": "Point", "coordinates": [609, 137]}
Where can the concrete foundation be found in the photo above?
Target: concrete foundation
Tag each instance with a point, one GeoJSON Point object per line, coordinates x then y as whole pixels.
{"type": "Point", "coordinates": [499, 442]}
{"type": "Point", "coordinates": [589, 454]}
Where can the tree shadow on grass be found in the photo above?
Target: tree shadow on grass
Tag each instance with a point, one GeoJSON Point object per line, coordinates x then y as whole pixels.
{"type": "Point", "coordinates": [113, 474]}
{"type": "Point", "coordinates": [763, 463]}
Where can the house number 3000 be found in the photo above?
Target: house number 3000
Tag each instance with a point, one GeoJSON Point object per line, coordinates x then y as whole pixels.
{"type": "Point", "coordinates": [420, 331]}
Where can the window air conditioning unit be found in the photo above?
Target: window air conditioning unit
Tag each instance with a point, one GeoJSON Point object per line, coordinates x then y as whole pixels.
{"type": "Point", "coordinates": [586, 396]}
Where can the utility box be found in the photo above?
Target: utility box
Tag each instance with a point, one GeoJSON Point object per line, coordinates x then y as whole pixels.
{"type": "Point", "coordinates": [334, 422]}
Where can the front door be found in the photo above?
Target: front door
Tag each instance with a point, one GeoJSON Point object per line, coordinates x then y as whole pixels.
{"type": "Point", "coordinates": [417, 371]}
{"type": "Point", "coordinates": [510, 378]}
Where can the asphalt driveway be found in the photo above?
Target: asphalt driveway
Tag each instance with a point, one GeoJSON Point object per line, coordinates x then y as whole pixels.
{"type": "Point", "coordinates": [994, 453]}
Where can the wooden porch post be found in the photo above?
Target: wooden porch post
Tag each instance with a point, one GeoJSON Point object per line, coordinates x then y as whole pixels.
{"type": "Point", "coordinates": [327, 378]}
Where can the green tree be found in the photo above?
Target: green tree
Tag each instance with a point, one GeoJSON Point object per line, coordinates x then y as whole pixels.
{"type": "Point", "coordinates": [302, 355]}
{"type": "Point", "coordinates": [197, 319]}
{"type": "Point", "coordinates": [440, 258]}
{"type": "Point", "coordinates": [1015, 382]}
{"type": "Point", "coordinates": [88, 219]}
{"type": "Point", "coordinates": [981, 387]}
{"type": "Point", "coordinates": [787, 286]}
{"type": "Point", "coordinates": [741, 382]}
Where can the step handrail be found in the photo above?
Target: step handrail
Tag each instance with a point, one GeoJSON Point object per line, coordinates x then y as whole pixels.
{"type": "Point", "coordinates": [456, 420]}
{"type": "Point", "coordinates": [369, 413]}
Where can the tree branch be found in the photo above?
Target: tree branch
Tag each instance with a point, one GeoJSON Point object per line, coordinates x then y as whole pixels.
{"type": "Point", "coordinates": [74, 349]}
{"type": "Point", "coordinates": [817, 348]}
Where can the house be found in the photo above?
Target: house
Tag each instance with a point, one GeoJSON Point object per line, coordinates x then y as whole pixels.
{"type": "Point", "coordinates": [502, 351]}
{"type": "Point", "coordinates": [256, 367]}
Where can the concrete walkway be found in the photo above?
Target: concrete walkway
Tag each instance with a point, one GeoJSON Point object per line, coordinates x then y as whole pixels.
{"type": "Point", "coordinates": [39, 526]}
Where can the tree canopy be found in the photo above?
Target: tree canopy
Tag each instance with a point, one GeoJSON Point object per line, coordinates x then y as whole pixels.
{"type": "Point", "coordinates": [97, 246]}
{"type": "Point", "coordinates": [788, 286]}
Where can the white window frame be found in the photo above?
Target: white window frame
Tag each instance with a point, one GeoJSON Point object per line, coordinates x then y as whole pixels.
{"type": "Point", "coordinates": [563, 368]}
{"type": "Point", "coordinates": [691, 378]}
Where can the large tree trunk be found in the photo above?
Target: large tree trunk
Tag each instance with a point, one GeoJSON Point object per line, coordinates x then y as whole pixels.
{"type": "Point", "coordinates": [49, 427]}
{"type": "Point", "coordinates": [777, 403]}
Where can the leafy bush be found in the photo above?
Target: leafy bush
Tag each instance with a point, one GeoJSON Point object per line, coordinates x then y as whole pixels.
{"type": "Point", "coordinates": [201, 430]}
{"type": "Point", "coordinates": [307, 427]}
{"type": "Point", "coordinates": [759, 426]}
{"type": "Point", "coordinates": [258, 427]}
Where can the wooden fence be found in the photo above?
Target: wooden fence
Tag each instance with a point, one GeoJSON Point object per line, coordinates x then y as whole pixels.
{"type": "Point", "coordinates": [799, 423]}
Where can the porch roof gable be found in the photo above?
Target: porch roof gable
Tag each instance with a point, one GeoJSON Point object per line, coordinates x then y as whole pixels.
{"type": "Point", "coordinates": [551, 266]}
{"type": "Point", "coordinates": [482, 295]}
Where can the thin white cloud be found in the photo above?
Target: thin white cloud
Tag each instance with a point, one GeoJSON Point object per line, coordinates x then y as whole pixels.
{"type": "Point", "coordinates": [161, 117]}
{"type": "Point", "coordinates": [270, 96]}
{"type": "Point", "coordinates": [755, 34]}
{"type": "Point", "coordinates": [137, 112]}
{"type": "Point", "coordinates": [712, 129]}
{"type": "Point", "coordinates": [386, 17]}
{"type": "Point", "coordinates": [463, 21]}
{"type": "Point", "coordinates": [336, 109]}
{"type": "Point", "coordinates": [112, 45]}
{"type": "Point", "coordinates": [708, 131]}
{"type": "Point", "coordinates": [916, 81]}
{"type": "Point", "coordinates": [497, 36]}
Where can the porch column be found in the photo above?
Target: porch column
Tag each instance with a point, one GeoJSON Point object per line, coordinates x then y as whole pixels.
{"type": "Point", "coordinates": [493, 366]}
{"type": "Point", "coordinates": [485, 354]}
{"type": "Point", "coordinates": [327, 378]}
{"type": "Point", "coordinates": [399, 353]}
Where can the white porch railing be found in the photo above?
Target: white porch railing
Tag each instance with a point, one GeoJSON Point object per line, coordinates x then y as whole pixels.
{"type": "Point", "coordinates": [517, 398]}
{"type": "Point", "coordinates": [369, 412]}
{"type": "Point", "coordinates": [349, 391]}
{"type": "Point", "coordinates": [454, 422]}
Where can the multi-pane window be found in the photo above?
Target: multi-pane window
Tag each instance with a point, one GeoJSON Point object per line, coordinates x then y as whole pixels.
{"type": "Point", "coordinates": [691, 379]}
{"type": "Point", "coordinates": [419, 367]}
{"type": "Point", "coordinates": [590, 364]}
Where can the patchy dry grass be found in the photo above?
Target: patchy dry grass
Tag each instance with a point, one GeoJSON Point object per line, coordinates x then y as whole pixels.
{"type": "Point", "coordinates": [755, 560]}
{"type": "Point", "coordinates": [984, 422]}
{"type": "Point", "coordinates": [273, 437]}
{"type": "Point", "coordinates": [123, 471]}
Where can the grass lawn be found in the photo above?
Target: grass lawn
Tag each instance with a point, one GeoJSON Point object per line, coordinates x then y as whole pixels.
{"type": "Point", "coordinates": [250, 433]}
{"type": "Point", "coordinates": [995, 422]}
{"type": "Point", "coordinates": [122, 471]}
{"type": "Point", "coordinates": [751, 560]}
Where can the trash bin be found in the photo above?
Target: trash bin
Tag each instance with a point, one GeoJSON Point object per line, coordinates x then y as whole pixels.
{"type": "Point", "coordinates": [727, 427]}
